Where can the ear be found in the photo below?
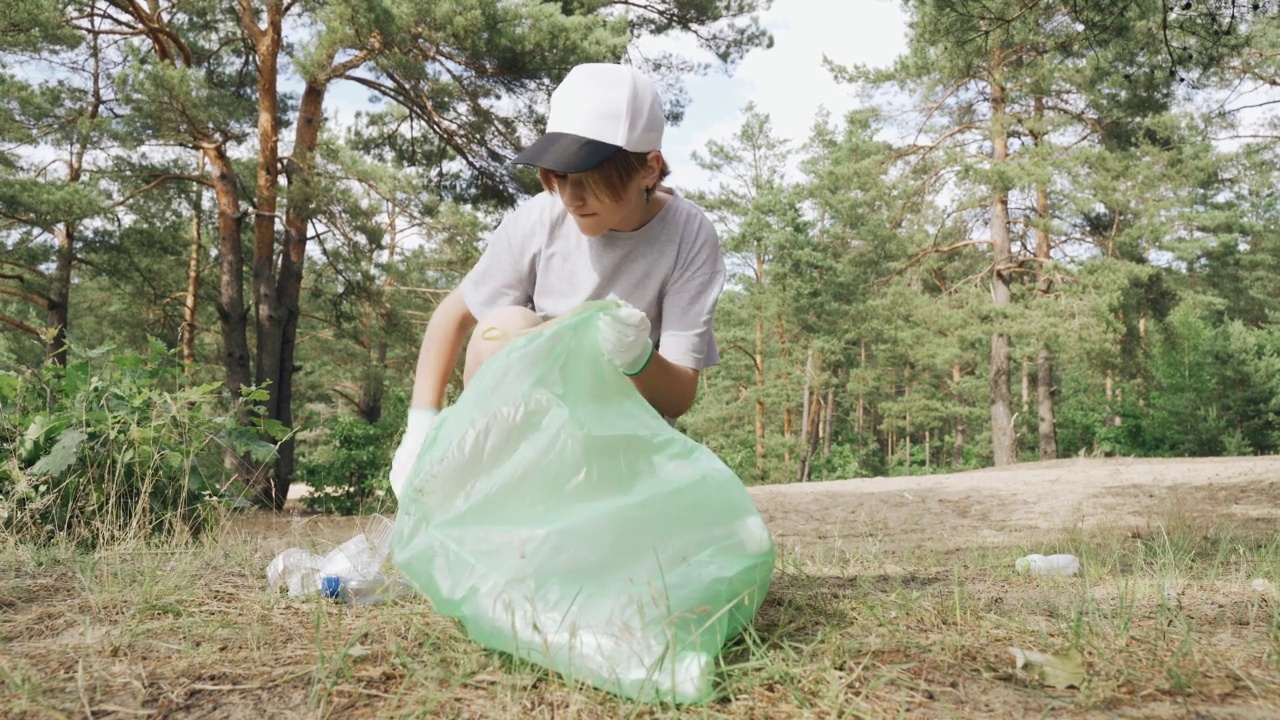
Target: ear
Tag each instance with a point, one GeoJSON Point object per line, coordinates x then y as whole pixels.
{"type": "Point", "coordinates": [652, 172]}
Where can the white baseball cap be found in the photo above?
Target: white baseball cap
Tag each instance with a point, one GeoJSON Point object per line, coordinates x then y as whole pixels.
{"type": "Point", "coordinates": [599, 109]}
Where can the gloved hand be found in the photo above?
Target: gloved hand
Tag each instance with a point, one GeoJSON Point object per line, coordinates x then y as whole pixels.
{"type": "Point", "coordinates": [624, 338]}
{"type": "Point", "coordinates": [417, 428]}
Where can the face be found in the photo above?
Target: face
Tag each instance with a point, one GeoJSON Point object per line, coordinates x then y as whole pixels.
{"type": "Point", "coordinates": [596, 215]}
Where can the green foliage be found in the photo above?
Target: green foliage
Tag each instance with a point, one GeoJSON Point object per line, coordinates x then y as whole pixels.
{"type": "Point", "coordinates": [117, 447]}
{"type": "Point", "coordinates": [347, 462]}
{"type": "Point", "coordinates": [1209, 389]}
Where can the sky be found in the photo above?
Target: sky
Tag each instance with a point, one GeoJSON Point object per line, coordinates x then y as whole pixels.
{"type": "Point", "coordinates": [787, 81]}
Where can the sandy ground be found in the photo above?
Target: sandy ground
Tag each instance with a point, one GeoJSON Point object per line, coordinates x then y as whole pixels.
{"type": "Point", "coordinates": [1021, 503]}
{"type": "Point", "coordinates": [1025, 503]}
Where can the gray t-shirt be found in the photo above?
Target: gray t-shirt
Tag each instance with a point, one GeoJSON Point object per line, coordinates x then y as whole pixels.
{"type": "Point", "coordinates": [671, 269]}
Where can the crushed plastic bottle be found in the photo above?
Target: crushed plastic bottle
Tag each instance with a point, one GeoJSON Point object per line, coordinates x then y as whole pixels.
{"type": "Point", "coordinates": [363, 592]}
{"type": "Point", "coordinates": [351, 572]}
{"type": "Point", "coordinates": [1061, 564]}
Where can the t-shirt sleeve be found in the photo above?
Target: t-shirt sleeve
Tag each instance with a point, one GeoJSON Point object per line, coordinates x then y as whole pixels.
{"type": "Point", "coordinates": [505, 273]}
{"type": "Point", "coordinates": [689, 304]}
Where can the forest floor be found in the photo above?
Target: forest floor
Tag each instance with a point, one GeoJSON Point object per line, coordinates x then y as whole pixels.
{"type": "Point", "coordinates": [893, 597]}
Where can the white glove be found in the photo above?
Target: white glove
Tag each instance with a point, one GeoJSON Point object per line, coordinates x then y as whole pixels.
{"type": "Point", "coordinates": [416, 430]}
{"type": "Point", "coordinates": [624, 338]}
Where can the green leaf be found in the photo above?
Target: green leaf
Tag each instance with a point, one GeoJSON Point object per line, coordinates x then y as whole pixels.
{"type": "Point", "coordinates": [33, 441]}
{"type": "Point", "coordinates": [8, 385]}
{"type": "Point", "coordinates": [275, 428]}
{"type": "Point", "coordinates": [62, 455]}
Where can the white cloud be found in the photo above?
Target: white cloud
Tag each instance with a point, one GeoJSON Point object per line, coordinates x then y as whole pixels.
{"type": "Point", "coordinates": [787, 81]}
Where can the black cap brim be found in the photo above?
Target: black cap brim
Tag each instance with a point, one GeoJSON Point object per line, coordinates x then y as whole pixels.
{"type": "Point", "coordinates": [562, 152]}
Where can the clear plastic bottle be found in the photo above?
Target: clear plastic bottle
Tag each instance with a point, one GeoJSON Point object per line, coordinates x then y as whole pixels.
{"type": "Point", "coordinates": [351, 571]}
{"type": "Point", "coordinates": [1061, 564]}
{"type": "Point", "coordinates": [363, 591]}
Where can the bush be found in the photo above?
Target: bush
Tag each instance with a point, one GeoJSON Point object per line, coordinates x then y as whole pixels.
{"type": "Point", "coordinates": [119, 448]}
{"type": "Point", "coordinates": [348, 466]}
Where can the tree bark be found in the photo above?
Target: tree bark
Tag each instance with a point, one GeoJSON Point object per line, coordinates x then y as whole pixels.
{"type": "Point", "coordinates": [787, 419]}
{"type": "Point", "coordinates": [1045, 391]}
{"type": "Point", "coordinates": [58, 309]}
{"type": "Point", "coordinates": [861, 409]}
{"type": "Point", "coordinates": [805, 414]}
{"type": "Point", "coordinates": [759, 379]}
{"type": "Point", "coordinates": [906, 435]}
{"type": "Point", "coordinates": [926, 450]}
{"type": "Point", "coordinates": [811, 418]}
{"type": "Point", "coordinates": [827, 426]}
{"type": "Point", "coordinates": [1004, 450]}
{"type": "Point", "coordinates": [271, 313]}
{"type": "Point", "coordinates": [1044, 401]}
{"type": "Point", "coordinates": [233, 317]}
{"type": "Point", "coordinates": [373, 386]}
{"type": "Point", "coordinates": [957, 449]}
{"type": "Point", "coordinates": [190, 303]}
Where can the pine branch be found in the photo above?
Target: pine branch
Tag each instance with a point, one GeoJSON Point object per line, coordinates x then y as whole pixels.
{"type": "Point", "coordinates": [18, 324]}
{"type": "Point", "coordinates": [40, 302]}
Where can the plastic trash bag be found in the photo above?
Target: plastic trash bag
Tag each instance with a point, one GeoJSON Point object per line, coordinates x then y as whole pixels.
{"type": "Point", "coordinates": [564, 521]}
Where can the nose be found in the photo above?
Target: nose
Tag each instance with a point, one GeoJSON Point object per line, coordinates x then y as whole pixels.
{"type": "Point", "coordinates": [573, 191]}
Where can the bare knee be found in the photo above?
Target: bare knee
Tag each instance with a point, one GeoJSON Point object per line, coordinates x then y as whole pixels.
{"type": "Point", "coordinates": [492, 333]}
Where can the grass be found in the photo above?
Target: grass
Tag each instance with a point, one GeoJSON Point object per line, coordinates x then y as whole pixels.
{"type": "Point", "coordinates": [1165, 618]}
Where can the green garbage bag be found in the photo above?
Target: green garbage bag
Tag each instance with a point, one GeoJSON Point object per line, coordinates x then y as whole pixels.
{"type": "Point", "coordinates": [562, 520]}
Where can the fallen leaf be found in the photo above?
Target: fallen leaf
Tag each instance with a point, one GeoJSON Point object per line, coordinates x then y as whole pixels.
{"type": "Point", "coordinates": [1056, 671]}
{"type": "Point", "coordinates": [359, 651]}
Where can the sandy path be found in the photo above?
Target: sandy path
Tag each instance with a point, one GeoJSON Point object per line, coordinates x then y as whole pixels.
{"type": "Point", "coordinates": [1024, 503]}
{"type": "Point", "coordinates": [1015, 503]}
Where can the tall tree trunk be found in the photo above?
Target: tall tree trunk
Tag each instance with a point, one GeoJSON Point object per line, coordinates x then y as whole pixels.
{"type": "Point", "coordinates": [233, 317]}
{"type": "Point", "coordinates": [786, 436]}
{"type": "Point", "coordinates": [1138, 383]}
{"type": "Point", "coordinates": [926, 450]}
{"type": "Point", "coordinates": [1003, 444]}
{"type": "Point", "coordinates": [820, 440]}
{"type": "Point", "coordinates": [861, 408]}
{"type": "Point", "coordinates": [811, 448]}
{"type": "Point", "coordinates": [906, 435]}
{"type": "Point", "coordinates": [1044, 401]}
{"type": "Point", "coordinates": [300, 172]}
{"type": "Point", "coordinates": [787, 419]}
{"type": "Point", "coordinates": [373, 385]}
{"type": "Point", "coordinates": [189, 304]}
{"type": "Point", "coordinates": [1045, 416]}
{"type": "Point", "coordinates": [270, 306]}
{"type": "Point", "coordinates": [830, 420]}
{"type": "Point", "coordinates": [58, 307]}
{"type": "Point", "coordinates": [759, 380]}
{"type": "Point", "coordinates": [957, 449]}
{"type": "Point", "coordinates": [805, 414]}
{"type": "Point", "coordinates": [811, 418]}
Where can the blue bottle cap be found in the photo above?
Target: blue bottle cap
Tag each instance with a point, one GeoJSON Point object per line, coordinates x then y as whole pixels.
{"type": "Point", "coordinates": [331, 586]}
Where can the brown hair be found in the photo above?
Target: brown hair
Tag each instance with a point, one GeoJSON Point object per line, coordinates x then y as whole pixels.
{"type": "Point", "coordinates": [609, 179]}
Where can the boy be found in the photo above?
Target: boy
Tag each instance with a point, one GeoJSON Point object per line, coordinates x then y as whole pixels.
{"type": "Point", "coordinates": [604, 227]}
